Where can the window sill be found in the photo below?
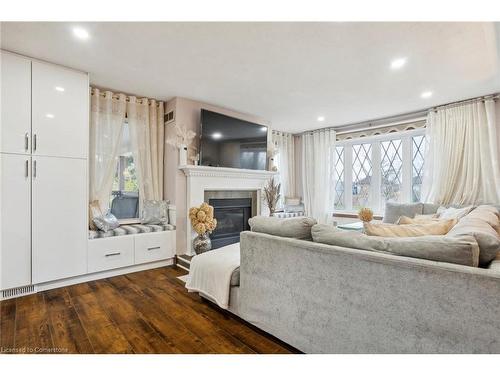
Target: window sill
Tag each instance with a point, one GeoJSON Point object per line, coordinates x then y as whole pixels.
{"type": "Point", "coordinates": [354, 215]}
{"type": "Point", "coordinates": [130, 221]}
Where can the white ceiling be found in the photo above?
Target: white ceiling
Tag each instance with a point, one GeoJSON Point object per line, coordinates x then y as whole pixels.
{"type": "Point", "coordinates": [287, 73]}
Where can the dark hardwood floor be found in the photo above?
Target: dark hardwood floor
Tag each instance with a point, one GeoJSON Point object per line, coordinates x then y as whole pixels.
{"type": "Point", "coordinates": [143, 312]}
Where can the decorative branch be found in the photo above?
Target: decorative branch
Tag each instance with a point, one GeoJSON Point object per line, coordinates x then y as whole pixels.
{"type": "Point", "coordinates": [272, 195]}
{"type": "Point", "coordinates": [182, 137]}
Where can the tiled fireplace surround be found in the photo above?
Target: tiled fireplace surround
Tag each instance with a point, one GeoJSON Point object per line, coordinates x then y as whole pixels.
{"type": "Point", "coordinates": [204, 183]}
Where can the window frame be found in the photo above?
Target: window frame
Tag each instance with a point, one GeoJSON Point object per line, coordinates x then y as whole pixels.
{"type": "Point", "coordinates": [375, 201]}
{"type": "Point", "coordinates": [128, 220]}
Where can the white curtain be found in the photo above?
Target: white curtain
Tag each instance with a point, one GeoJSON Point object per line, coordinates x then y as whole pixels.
{"type": "Point", "coordinates": [317, 173]}
{"type": "Point", "coordinates": [284, 143]}
{"type": "Point", "coordinates": [107, 115]}
{"type": "Point", "coordinates": [145, 119]}
{"type": "Point", "coordinates": [462, 164]}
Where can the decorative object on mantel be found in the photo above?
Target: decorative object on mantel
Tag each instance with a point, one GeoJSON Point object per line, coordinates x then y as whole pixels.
{"type": "Point", "coordinates": [272, 195]}
{"type": "Point", "coordinates": [203, 223]}
{"type": "Point", "coordinates": [182, 140]}
{"type": "Point", "coordinates": [273, 151]}
{"type": "Point", "coordinates": [365, 214]}
{"type": "Point", "coordinates": [195, 159]}
{"type": "Point", "coordinates": [154, 212]}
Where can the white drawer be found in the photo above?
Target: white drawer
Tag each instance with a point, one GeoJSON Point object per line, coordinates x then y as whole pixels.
{"type": "Point", "coordinates": [109, 253]}
{"type": "Point", "coordinates": [150, 247]}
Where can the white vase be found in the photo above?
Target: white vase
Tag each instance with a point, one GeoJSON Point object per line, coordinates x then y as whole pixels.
{"type": "Point", "coordinates": [183, 155]}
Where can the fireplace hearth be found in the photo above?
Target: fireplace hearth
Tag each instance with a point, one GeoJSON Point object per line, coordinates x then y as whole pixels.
{"type": "Point", "coordinates": [232, 216]}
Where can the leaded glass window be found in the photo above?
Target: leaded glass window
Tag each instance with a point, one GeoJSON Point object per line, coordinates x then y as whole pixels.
{"type": "Point", "coordinates": [339, 178]}
{"type": "Point", "coordinates": [418, 152]}
{"type": "Point", "coordinates": [361, 174]}
{"type": "Point", "coordinates": [391, 163]}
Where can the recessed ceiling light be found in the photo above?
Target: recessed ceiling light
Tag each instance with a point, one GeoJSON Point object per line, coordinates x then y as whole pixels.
{"type": "Point", "coordinates": [426, 94]}
{"type": "Point", "coordinates": [217, 136]}
{"type": "Point", "coordinates": [263, 129]}
{"type": "Point", "coordinates": [398, 63]}
{"type": "Point", "coordinates": [80, 33]}
{"type": "Point", "coordinates": [49, 115]}
{"type": "Point", "coordinates": [321, 118]}
{"type": "Point", "coordinates": [59, 88]}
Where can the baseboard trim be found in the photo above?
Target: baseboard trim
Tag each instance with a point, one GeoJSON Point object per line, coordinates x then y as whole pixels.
{"type": "Point", "coordinates": [96, 276]}
{"type": "Point", "coordinates": [181, 266]}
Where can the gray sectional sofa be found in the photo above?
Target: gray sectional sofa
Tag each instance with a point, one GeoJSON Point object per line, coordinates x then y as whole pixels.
{"type": "Point", "coordinates": [321, 298]}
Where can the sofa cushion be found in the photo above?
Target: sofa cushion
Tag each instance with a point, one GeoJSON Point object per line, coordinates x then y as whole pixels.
{"type": "Point", "coordinates": [487, 238]}
{"type": "Point", "coordinates": [490, 214]}
{"type": "Point", "coordinates": [296, 227]}
{"type": "Point", "coordinates": [235, 277]}
{"type": "Point", "coordinates": [440, 227]}
{"type": "Point", "coordinates": [430, 208]}
{"type": "Point", "coordinates": [393, 211]}
{"type": "Point", "coordinates": [459, 249]}
{"type": "Point", "coordinates": [495, 264]}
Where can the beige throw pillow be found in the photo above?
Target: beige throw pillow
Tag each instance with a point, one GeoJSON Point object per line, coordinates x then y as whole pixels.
{"type": "Point", "coordinates": [409, 230]}
{"type": "Point", "coordinates": [418, 219]}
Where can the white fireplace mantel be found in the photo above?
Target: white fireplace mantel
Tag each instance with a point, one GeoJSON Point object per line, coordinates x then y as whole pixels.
{"type": "Point", "coordinates": [220, 172]}
{"type": "Point", "coordinates": [203, 178]}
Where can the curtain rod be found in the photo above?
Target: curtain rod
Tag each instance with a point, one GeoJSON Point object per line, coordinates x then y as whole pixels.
{"type": "Point", "coordinates": [127, 97]}
{"type": "Point", "coordinates": [398, 119]}
{"type": "Point", "coordinates": [495, 97]}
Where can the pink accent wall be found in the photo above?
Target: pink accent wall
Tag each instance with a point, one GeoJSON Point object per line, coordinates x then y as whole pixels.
{"type": "Point", "coordinates": [187, 113]}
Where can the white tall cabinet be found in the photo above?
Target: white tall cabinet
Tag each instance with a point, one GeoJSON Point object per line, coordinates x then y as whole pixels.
{"type": "Point", "coordinates": [43, 172]}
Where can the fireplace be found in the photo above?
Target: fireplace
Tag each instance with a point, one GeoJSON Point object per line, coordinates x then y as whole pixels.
{"type": "Point", "coordinates": [232, 216]}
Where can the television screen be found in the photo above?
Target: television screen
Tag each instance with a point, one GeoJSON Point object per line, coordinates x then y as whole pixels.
{"type": "Point", "coordinates": [230, 142]}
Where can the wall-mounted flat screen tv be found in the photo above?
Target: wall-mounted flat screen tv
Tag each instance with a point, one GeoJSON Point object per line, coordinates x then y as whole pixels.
{"type": "Point", "coordinates": [231, 142]}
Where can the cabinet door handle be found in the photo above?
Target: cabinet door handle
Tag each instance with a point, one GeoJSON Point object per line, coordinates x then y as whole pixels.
{"type": "Point", "coordinates": [112, 254]}
{"type": "Point", "coordinates": [153, 248]}
{"type": "Point", "coordinates": [34, 142]}
{"type": "Point", "coordinates": [26, 167]}
{"type": "Point", "coordinates": [34, 168]}
{"type": "Point", "coordinates": [26, 141]}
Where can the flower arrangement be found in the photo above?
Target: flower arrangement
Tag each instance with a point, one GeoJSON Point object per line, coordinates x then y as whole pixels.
{"type": "Point", "coordinates": [365, 214]}
{"type": "Point", "coordinates": [202, 218]}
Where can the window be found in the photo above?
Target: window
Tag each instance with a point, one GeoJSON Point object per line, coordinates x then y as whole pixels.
{"type": "Point", "coordinates": [370, 171]}
{"type": "Point", "coordinates": [339, 177]}
{"type": "Point", "coordinates": [361, 174]}
{"type": "Point", "coordinates": [418, 151]}
{"type": "Point", "coordinates": [391, 170]}
{"type": "Point", "coordinates": [125, 195]}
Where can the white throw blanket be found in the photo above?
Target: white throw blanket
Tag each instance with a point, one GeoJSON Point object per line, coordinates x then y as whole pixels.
{"type": "Point", "coordinates": [210, 273]}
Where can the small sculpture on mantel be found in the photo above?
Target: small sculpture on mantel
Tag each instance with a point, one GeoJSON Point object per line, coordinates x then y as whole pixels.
{"type": "Point", "coordinates": [273, 152]}
{"type": "Point", "coordinates": [272, 195]}
{"type": "Point", "coordinates": [182, 140]}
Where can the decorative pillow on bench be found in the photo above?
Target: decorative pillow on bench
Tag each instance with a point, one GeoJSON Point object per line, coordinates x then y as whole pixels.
{"type": "Point", "coordinates": [296, 227]}
{"type": "Point", "coordinates": [462, 249]}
